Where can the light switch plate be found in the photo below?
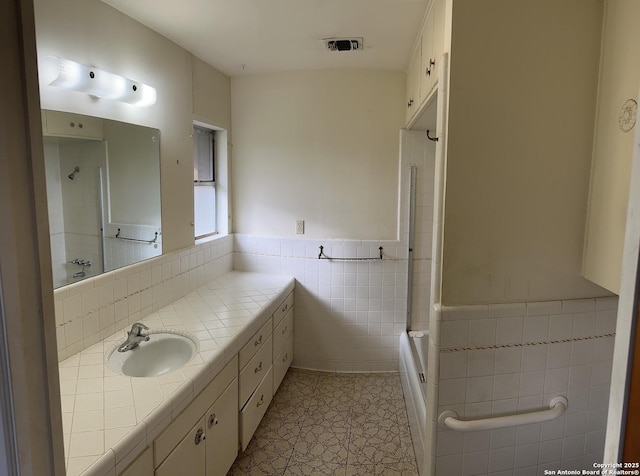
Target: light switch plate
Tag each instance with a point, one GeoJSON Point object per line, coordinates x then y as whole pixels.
{"type": "Point", "coordinates": [299, 227]}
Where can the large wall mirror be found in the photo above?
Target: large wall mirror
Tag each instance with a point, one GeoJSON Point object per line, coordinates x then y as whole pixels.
{"type": "Point", "coordinates": [103, 191]}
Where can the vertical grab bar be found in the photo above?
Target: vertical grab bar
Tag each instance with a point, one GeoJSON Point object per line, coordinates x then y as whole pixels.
{"type": "Point", "coordinates": [101, 206]}
{"type": "Point", "coordinates": [412, 225]}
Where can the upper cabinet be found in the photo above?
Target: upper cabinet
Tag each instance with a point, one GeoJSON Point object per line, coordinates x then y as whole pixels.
{"type": "Point", "coordinates": [422, 73]}
{"type": "Point", "coordinates": [613, 145]}
{"type": "Point", "coordinates": [64, 124]}
{"type": "Point", "coordinates": [413, 83]}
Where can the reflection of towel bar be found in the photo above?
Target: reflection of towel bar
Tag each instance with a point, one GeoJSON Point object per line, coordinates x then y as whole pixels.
{"type": "Point", "coordinates": [155, 238]}
{"type": "Point", "coordinates": [557, 406]}
{"type": "Point", "coordinates": [323, 256]}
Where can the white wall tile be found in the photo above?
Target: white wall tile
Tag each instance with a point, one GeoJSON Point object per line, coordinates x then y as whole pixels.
{"type": "Point", "coordinates": [94, 308]}
{"type": "Point", "coordinates": [525, 377]}
{"type": "Point", "coordinates": [509, 330]}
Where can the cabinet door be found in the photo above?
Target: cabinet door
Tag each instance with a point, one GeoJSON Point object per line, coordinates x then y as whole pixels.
{"type": "Point", "coordinates": [222, 432]}
{"type": "Point", "coordinates": [188, 457]}
{"type": "Point", "coordinates": [427, 60]}
{"type": "Point", "coordinates": [282, 332]}
{"type": "Point", "coordinates": [413, 82]}
{"type": "Point", "coordinates": [72, 125]}
{"type": "Point", "coordinates": [281, 363]}
{"type": "Point", "coordinates": [438, 38]}
{"type": "Point", "coordinates": [141, 466]}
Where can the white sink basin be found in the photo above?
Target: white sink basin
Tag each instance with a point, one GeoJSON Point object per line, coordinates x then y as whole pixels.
{"type": "Point", "coordinates": [163, 352]}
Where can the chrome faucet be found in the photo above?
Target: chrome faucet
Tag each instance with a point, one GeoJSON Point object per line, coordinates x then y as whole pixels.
{"type": "Point", "coordinates": [134, 337]}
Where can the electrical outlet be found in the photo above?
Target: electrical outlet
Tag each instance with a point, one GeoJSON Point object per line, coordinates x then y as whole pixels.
{"type": "Point", "coordinates": [299, 227]}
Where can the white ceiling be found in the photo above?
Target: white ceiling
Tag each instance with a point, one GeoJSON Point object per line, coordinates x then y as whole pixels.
{"type": "Point", "coordinates": [260, 36]}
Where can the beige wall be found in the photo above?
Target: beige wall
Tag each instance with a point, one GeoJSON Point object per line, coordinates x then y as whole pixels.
{"type": "Point", "coordinates": [611, 169]}
{"type": "Point", "coordinates": [93, 33]}
{"type": "Point", "coordinates": [321, 146]}
{"type": "Point", "coordinates": [523, 91]}
{"type": "Point", "coordinates": [211, 95]}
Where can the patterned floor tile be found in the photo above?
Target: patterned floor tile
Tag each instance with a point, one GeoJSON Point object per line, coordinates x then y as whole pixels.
{"type": "Point", "coordinates": [395, 469]}
{"type": "Point", "coordinates": [322, 442]}
{"type": "Point", "coordinates": [322, 423]}
{"type": "Point", "coordinates": [315, 468]}
{"type": "Point", "coordinates": [374, 444]}
{"type": "Point", "coordinates": [376, 387]}
{"type": "Point", "coordinates": [260, 462]}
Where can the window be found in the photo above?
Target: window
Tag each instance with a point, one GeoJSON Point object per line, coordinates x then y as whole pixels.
{"type": "Point", "coordinates": [204, 182]}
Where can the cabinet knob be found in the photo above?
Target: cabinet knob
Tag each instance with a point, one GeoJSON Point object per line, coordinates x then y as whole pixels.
{"type": "Point", "coordinates": [212, 420]}
{"type": "Point", "coordinates": [258, 368]}
{"type": "Point", "coordinates": [72, 124]}
{"type": "Point", "coordinates": [258, 342]}
{"type": "Point", "coordinates": [80, 126]}
{"type": "Point", "coordinates": [286, 357]}
{"type": "Point", "coordinates": [199, 436]}
{"type": "Point", "coordinates": [261, 402]}
{"type": "Point", "coordinates": [410, 102]}
{"type": "Point", "coordinates": [429, 69]}
{"type": "Point", "coordinates": [284, 309]}
{"type": "Point", "coordinates": [284, 331]}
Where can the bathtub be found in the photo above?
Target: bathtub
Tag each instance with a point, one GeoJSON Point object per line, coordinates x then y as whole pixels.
{"type": "Point", "coordinates": [414, 347]}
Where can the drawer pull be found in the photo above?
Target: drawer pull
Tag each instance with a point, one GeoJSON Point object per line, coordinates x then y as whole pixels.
{"type": "Point", "coordinates": [212, 420]}
{"type": "Point", "coordinates": [284, 309]}
{"type": "Point", "coordinates": [284, 331]}
{"type": "Point", "coordinates": [258, 342]}
{"type": "Point", "coordinates": [199, 436]}
{"type": "Point", "coordinates": [286, 357]}
{"type": "Point", "coordinates": [258, 368]}
{"type": "Point", "coordinates": [261, 402]}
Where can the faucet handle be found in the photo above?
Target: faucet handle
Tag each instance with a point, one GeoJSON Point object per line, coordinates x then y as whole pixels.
{"type": "Point", "coordinates": [137, 328]}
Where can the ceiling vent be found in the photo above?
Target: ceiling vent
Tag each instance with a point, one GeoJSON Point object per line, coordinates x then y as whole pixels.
{"type": "Point", "coordinates": [343, 44]}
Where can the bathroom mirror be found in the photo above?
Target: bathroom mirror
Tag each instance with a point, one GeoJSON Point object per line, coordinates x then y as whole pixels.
{"type": "Point", "coordinates": [103, 192]}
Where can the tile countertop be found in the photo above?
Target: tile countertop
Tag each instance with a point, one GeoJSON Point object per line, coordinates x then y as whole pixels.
{"type": "Point", "coordinates": [109, 419]}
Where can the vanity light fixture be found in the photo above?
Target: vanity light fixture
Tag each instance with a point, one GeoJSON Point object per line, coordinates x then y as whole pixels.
{"type": "Point", "coordinates": [102, 84]}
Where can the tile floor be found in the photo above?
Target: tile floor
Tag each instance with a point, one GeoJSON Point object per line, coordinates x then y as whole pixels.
{"type": "Point", "coordinates": [336, 424]}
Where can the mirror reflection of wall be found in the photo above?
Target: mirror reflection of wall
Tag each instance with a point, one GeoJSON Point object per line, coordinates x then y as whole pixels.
{"type": "Point", "coordinates": [103, 191]}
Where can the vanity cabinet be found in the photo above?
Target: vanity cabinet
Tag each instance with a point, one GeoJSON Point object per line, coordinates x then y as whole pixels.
{"type": "Point", "coordinates": [213, 415]}
{"type": "Point", "coordinates": [204, 439]}
{"type": "Point", "coordinates": [255, 393]}
{"type": "Point", "coordinates": [282, 341]}
{"type": "Point", "coordinates": [222, 427]}
{"type": "Point", "coordinates": [189, 456]}
{"type": "Point", "coordinates": [255, 408]}
{"type": "Point", "coordinates": [64, 124]}
{"type": "Point", "coordinates": [141, 466]}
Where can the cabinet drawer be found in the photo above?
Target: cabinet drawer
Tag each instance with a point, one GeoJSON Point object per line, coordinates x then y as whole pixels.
{"type": "Point", "coordinates": [283, 331]}
{"type": "Point", "coordinates": [254, 372]}
{"type": "Point", "coordinates": [282, 362]}
{"type": "Point", "coordinates": [255, 409]}
{"type": "Point", "coordinates": [72, 125]}
{"type": "Point", "coordinates": [171, 436]}
{"type": "Point", "coordinates": [283, 309]}
{"type": "Point", "coordinates": [251, 347]}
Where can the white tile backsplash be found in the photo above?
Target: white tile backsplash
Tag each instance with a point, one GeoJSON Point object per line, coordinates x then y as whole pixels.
{"type": "Point", "coordinates": [89, 311]}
